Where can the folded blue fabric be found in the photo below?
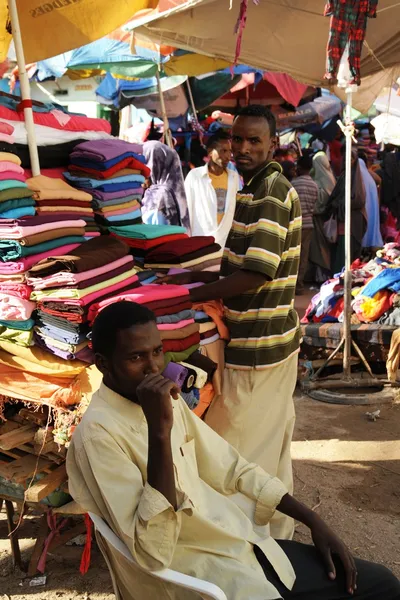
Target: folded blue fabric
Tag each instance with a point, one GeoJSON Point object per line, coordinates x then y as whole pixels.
{"type": "Point", "coordinates": [131, 215]}
{"type": "Point", "coordinates": [99, 204]}
{"type": "Point", "coordinates": [106, 185]}
{"type": "Point", "coordinates": [17, 203]}
{"type": "Point", "coordinates": [17, 213]}
{"type": "Point", "coordinates": [13, 250]}
{"type": "Point", "coordinates": [62, 335]}
{"type": "Point", "coordinates": [7, 184]}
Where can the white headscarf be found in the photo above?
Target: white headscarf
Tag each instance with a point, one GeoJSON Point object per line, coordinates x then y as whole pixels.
{"type": "Point", "coordinates": [325, 179]}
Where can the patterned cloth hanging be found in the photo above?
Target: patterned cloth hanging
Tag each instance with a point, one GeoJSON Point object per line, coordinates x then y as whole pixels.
{"type": "Point", "coordinates": [240, 25]}
{"type": "Point", "coordinates": [348, 25]}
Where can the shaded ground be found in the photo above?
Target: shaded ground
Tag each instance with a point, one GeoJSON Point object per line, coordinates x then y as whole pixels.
{"type": "Point", "coordinates": [355, 487]}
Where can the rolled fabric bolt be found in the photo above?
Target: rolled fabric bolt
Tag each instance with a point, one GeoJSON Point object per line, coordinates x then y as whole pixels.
{"type": "Point", "coordinates": [177, 373]}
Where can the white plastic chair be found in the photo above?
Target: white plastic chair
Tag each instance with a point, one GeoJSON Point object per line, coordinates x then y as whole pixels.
{"type": "Point", "coordinates": [207, 591]}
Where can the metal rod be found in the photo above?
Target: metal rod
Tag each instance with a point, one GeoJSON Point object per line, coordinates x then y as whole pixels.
{"type": "Point", "coordinates": [328, 360]}
{"type": "Point", "coordinates": [347, 241]}
{"type": "Point", "coordinates": [25, 89]}
{"type": "Point", "coordinates": [192, 104]}
{"type": "Point", "coordinates": [167, 132]}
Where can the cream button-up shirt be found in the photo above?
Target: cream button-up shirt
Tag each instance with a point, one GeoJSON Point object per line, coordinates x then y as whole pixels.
{"type": "Point", "coordinates": [208, 536]}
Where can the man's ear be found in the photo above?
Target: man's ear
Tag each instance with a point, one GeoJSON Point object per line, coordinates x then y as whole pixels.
{"type": "Point", "coordinates": [101, 363]}
{"type": "Point", "coordinates": [273, 147]}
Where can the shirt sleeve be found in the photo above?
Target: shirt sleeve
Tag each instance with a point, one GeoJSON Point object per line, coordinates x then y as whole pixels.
{"type": "Point", "coordinates": [268, 241]}
{"type": "Point", "coordinates": [139, 514]}
{"type": "Point", "coordinates": [226, 471]}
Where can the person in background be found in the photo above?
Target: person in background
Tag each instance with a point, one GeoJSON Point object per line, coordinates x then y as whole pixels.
{"type": "Point", "coordinates": [307, 191]}
{"type": "Point", "coordinates": [211, 191]}
{"type": "Point", "coordinates": [257, 281]}
{"type": "Point", "coordinates": [373, 237]}
{"type": "Point", "coordinates": [372, 171]}
{"type": "Point", "coordinates": [164, 201]}
{"type": "Point", "coordinates": [336, 207]}
{"type": "Point", "coordinates": [289, 169]}
{"type": "Point", "coordinates": [165, 482]}
{"type": "Point", "coordinates": [280, 155]}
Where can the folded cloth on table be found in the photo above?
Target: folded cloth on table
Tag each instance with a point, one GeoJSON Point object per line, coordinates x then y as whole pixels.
{"type": "Point", "coordinates": [21, 325]}
{"type": "Point", "coordinates": [48, 188]}
{"type": "Point", "coordinates": [209, 334]}
{"type": "Point", "coordinates": [183, 355]}
{"type": "Point", "coordinates": [16, 336]}
{"type": "Point", "coordinates": [195, 264]}
{"type": "Point", "coordinates": [107, 185]}
{"type": "Point", "coordinates": [14, 229]}
{"type": "Point", "coordinates": [175, 318]}
{"type": "Point", "coordinates": [18, 213]}
{"type": "Point", "coordinates": [46, 236]}
{"type": "Point", "coordinates": [174, 252]}
{"type": "Point", "coordinates": [16, 278]}
{"type": "Point", "coordinates": [7, 184]}
{"type": "Point", "coordinates": [204, 363]}
{"type": "Point", "coordinates": [62, 335]}
{"type": "Point", "coordinates": [181, 333]}
{"type": "Point", "coordinates": [210, 340]}
{"type": "Point", "coordinates": [16, 289]}
{"type": "Point", "coordinates": [24, 264]}
{"type": "Point", "coordinates": [120, 223]}
{"type": "Point", "coordinates": [93, 169]}
{"type": "Point", "coordinates": [201, 375]}
{"type": "Point", "coordinates": [202, 253]}
{"type": "Point", "coordinates": [66, 354]}
{"type": "Point", "coordinates": [12, 249]}
{"type": "Point", "coordinates": [15, 193]}
{"type": "Point", "coordinates": [72, 348]}
{"type": "Point", "coordinates": [98, 175]}
{"type": "Point", "coordinates": [82, 204]}
{"type": "Point", "coordinates": [102, 204]}
{"type": "Point", "coordinates": [13, 204]}
{"type": "Point", "coordinates": [62, 278]}
{"type": "Point", "coordinates": [149, 232]}
{"type": "Point", "coordinates": [145, 295]}
{"type": "Point", "coordinates": [6, 128]}
{"type": "Point", "coordinates": [126, 205]}
{"type": "Point", "coordinates": [181, 345]}
{"type": "Point", "coordinates": [93, 254]}
{"type": "Point", "coordinates": [118, 195]}
{"type": "Point", "coordinates": [111, 149]}
{"type": "Point", "coordinates": [80, 212]}
{"type": "Point", "coordinates": [207, 326]}
{"type": "Point", "coordinates": [174, 326]}
{"type": "Point", "coordinates": [13, 308]}
{"type": "Point", "coordinates": [35, 360]}
{"type": "Point", "coordinates": [12, 176]}
{"type": "Point", "coordinates": [81, 293]}
{"type": "Point", "coordinates": [10, 157]}
{"type": "Point", "coordinates": [215, 310]}
{"type": "Point", "coordinates": [7, 165]}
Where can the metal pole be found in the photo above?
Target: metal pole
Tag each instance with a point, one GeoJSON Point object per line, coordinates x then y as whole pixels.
{"type": "Point", "coordinates": [347, 241]}
{"type": "Point", "coordinates": [192, 104]}
{"type": "Point", "coordinates": [25, 89]}
{"type": "Point", "coordinates": [167, 132]}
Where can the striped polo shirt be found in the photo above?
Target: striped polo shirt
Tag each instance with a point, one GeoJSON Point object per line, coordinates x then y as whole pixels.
{"type": "Point", "coordinates": [265, 238]}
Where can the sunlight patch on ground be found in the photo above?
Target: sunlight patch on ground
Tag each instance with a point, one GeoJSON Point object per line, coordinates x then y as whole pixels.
{"type": "Point", "coordinates": [339, 450]}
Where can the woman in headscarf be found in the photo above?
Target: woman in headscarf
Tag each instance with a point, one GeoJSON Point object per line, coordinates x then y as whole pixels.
{"type": "Point", "coordinates": [164, 201]}
{"type": "Point", "coordinates": [336, 208]}
{"type": "Point", "coordinates": [373, 236]}
{"type": "Point", "coordinates": [320, 248]}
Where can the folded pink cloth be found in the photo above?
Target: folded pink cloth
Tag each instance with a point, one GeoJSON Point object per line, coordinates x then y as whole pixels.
{"type": "Point", "coordinates": [143, 295]}
{"type": "Point", "coordinates": [16, 289]}
{"type": "Point", "coordinates": [9, 139]}
{"type": "Point", "coordinates": [24, 264]}
{"type": "Point", "coordinates": [6, 128]}
{"type": "Point", "coordinates": [12, 175]}
{"type": "Point", "coordinates": [13, 308]}
{"type": "Point", "coordinates": [6, 165]}
{"type": "Point", "coordinates": [66, 278]}
{"type": "Point", "coordinates": [11, 231]}
{"type": "Point", "coordinates": [179, 325]}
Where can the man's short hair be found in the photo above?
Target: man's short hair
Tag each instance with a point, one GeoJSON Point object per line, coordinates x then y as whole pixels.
{"type": "Point", "coordinates": [214, 140]}
{"type": "Point", "coordinates": [117, 316]}
{"type": "Point", "coordinates": [305, 162]}
{"type": "Point", "coordinates": [262, 112]}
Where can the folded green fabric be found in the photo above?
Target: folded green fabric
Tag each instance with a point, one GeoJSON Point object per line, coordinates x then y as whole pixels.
{"type": "Point", "coordinates": [19, 337]}
{"type": "Point", "coordinates": [16, 203]}
{"type": "Point", "coordinates": [180, 356]}
{"type": "Point", "coordinates": [146, 232]}
{"type": "Point", "coordinates": [7, 184]}
{"type": "Point", "coordinates": [12, 249]}
{"type": "Point", "coordinates": [23, 325]}
{"type": "Point", "coordinates": [15, 192]}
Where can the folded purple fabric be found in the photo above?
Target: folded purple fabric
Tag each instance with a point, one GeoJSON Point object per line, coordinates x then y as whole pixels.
{"type": "Point", "coordinates": [103, 150]}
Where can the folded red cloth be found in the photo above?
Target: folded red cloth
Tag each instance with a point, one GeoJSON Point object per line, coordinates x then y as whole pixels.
{"type": "Point", "coordinates": [172, 249]}
{"type": "Point", "coordinates": [149, 244]}
{"type": "Point", "coordinates": [126, 163]}
{"type": "Point", "coordinates": [181, 345]}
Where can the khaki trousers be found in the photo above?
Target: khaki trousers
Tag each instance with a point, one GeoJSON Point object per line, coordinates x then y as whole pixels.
{"type": "Point", "coordinates": [255, 414]}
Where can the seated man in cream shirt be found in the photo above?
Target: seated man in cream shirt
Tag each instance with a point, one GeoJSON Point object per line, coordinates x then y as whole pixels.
{"type": "Point", "coordinates": [162, 480]}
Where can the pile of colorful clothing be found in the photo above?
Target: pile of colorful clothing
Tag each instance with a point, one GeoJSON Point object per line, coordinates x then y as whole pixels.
{"type": "Point", "coordinates": [65, 288]}
{"type": "Point", "coordinates": [113, 172]}
{"type": "Point", "coordinates": [199, 253]}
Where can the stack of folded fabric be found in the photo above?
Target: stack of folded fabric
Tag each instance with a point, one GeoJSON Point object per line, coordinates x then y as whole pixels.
{"type": "Point", "coordinates": [142, 239]}
{"type": "Point", "coordinates": [55, 197]}
{"type": "Point", "coordinates": [195, 254]}
{"type": "Point", "coordinates": [66, 286]}
{"type": "Point", "coordinates": [171, 303]}
{"type": "Point", "coordinates": [16, 200]}
{"type": "Point", "coordinates": [113, 171]}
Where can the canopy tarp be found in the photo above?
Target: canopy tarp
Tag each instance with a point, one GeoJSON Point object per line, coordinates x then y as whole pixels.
{"type": "Point", "coordinates": [281, 36]}
{"type": "Point", "coordinates": [50, 28]}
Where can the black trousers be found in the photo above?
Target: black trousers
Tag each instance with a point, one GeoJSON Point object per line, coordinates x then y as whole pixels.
{"type": "Point", "coordinates": [374, 582]}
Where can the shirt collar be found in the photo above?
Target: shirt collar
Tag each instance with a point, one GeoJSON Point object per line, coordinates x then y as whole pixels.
{"type": "Point", "coordinates": [125, 409]}
{"type": "Point", "coordinates": [265, 171]}
{"type": "Point", "coordinates": [204, 171]}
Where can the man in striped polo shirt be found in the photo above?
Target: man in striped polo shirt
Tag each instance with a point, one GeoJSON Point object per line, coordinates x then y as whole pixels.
{"type": "Point", "coordinates": [255, 412]}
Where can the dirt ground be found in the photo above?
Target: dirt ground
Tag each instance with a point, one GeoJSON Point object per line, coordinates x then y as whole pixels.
{"type": "Point", "coordinates": [346, 467]}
